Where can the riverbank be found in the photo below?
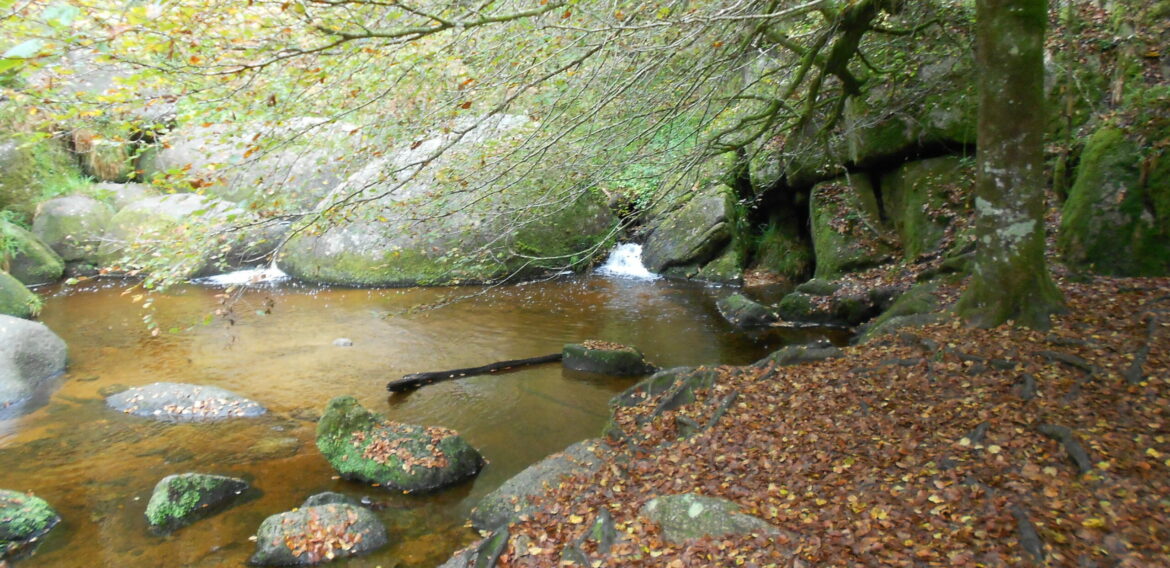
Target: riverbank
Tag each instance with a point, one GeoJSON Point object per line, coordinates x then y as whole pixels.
{"type": "Point", "coordinates": [937, 445]}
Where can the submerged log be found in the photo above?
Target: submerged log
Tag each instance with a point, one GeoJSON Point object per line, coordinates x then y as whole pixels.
{"type": "Point", "coordinates": [416, 380]}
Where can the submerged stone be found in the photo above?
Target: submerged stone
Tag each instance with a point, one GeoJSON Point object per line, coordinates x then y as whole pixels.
{"type": "Point", "coordinates": [179, 500]}
{"type": "Point", "coordinates": [314, 534]}
{"type": "Point", "coordinates": [605, 358]}
{"type": "Point", "coordinates": [180, 402]}
{"type": "Point", "coordinates": [364, 446]}
{"type": "Point", "coordinates": [690, 516]}
{"type": "Point", "coordinates": [23, 520]}
{"type": "Point", "coordinates": [513, 497]}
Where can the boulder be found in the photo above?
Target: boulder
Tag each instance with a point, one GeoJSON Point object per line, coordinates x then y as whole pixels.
{"type": "Point", "coordinates": [180, 402]}
{"type": "Point", "coordinates": [26, 257]}
{"type": "Point", "coordinates": [313, 534]}
{"type": "Point", "coordinates": [846, 229]}
{"type": "Point", "coordinates": [918, 306]}
{"type": "Point", "coordinates": [30, 354]}
{"type": "Point", "coordinates": [15, 299]}
{"type": "Point", "coordinates": [122, 194]}
{"type": "Point", "coordinates": [692, 234]}
{"type": "Point", "coordinates": [23, 520]}
{"type": "Point", "coordinates": [179, 220]}
{"type": "Point", "coordinates": [452, 221]}
{"type": "Point", "coordinates": [364, 446]}
{"type": "Point", "coordinates": [726, 268]}
{"type": "Point", "coordinates": [483, 553]}
{"type": "Point", "coordinates": [1116, 219]}
{"type": "Point", "coordinates": [840, 308]}
{"type": "Point", "coordinates": [179, 500]}
{"type": "Point", "coordinates": [73, 226]}
{"type": "Point", "coordinates": [924, 199]}
{"type": "Point", "coordinates": [330, 498]}
{"type": "Point", "coordinates": [742, 312]}
{"type": "Point", "coordinates": [88, 74]}
{"type": "Point", "coordinates": [605, 358]}
{"type": "Point", "coordinates": [513, 498]}
{"type": "Point", "coordinates": [690, 516]}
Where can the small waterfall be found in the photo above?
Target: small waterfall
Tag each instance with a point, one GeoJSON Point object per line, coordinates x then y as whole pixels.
{"type": "Point", "coordinates": [247, 277]}
{"type": "Point", "coordinates": [626, 262]}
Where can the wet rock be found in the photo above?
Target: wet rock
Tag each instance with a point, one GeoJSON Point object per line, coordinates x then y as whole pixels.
{"type": "Point", "coordinates": [73, 226]}
{"type": "Point", "coordinates": [15, 299]}
{"type": "Point", "coordinates": [836, 308]}
{"type": "Point", "coordinates": [512, 498]}
{"type": "Point", "coordinates": [275, 448]}
{"type": "Point", "coordinates": [480, 554]}
{"type": "Point", "coordinates": [330, 498]}
{"type": "Point", "coordinates": [605, 358]}
{"type": "Point", "coordinates": [180, 402]}
{"type": "Point", "coordinates": [314, 534]}
{"type": "Point", "coordinates": [23, 520]}
{"type": "Point", "coordinates": [30, 354]}
{"type": "Point", "coordinates": [692, 234]}
{"type": "Point", "coordinates": [179, 500]}
{"type": "Point", "coordinates": [169, 219]}
{"type": "Point", "coordinates": [27, 258]}
{"type": "Point", "coordinates": [363, 445]}
{"type": "Point", "coordinates": [690, 516]}
{"type": "Point", "coordinates": [744, 313]}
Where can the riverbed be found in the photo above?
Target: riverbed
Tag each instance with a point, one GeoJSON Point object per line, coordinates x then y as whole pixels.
{"type": "Point", "coordinates": [276, 345]}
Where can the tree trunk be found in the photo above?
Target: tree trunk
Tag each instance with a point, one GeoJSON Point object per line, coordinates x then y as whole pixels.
{"type": "Point", "coordinates": [1010, 279]}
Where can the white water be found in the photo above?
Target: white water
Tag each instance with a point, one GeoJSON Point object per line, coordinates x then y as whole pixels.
{"type": "Point", "coordinates": [247, 277]}
{"type": "Point", "coordinates": [625, 261]}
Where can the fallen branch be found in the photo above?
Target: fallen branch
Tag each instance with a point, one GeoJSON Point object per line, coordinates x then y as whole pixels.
{"type": "Point", "coordinates": [1076, 452]}
{"type": "Point", "coordinates": [416, 380]}
{"type": "Point", "coordinates": [1136, 372]}
{"type": "Point", "coordinates": [1030, 540]}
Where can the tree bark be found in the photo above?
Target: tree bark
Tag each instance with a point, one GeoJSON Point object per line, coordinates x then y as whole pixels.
{"type": "Point", "coordinates": [416, 380]}
{"type": "Point", "coordinates": [1010, 280]}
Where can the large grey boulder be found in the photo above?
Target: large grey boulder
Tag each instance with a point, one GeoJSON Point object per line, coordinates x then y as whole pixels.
{"type": "Point", "coordinates": [23, 520]}
{"type": "Point", "coordinates": [314, 534]}
{"type": "Point", "coordinates": [435, 216]}
{"type": "Point", "coordinates": [180, 402]}
{"type": "Point", "coordinates": [73, 226]}
{"type": "Point", "coordinates": [513, 498]}
{"type": "Point", "coordinates": [30, 354]}
{"type": "Point", "coordinates": [122, 194]}
{"type": "Point", "coordinates": [194, 223]}
{"type": "Point", "coordinates": [26, 257]}
{"type": "Point", "coordinates": [693, 234]}
{"type": "Point", "coordinates": [690, 516]}
{"type": "Point", "coordinates": [15, 299]}
{"type": "Point", "coordinates": [179, 500]}
{"type": "Point", "coordinates": [364, 446]}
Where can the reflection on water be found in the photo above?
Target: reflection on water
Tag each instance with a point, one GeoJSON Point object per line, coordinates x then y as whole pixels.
{"type": "Point", "coordinates": [98, 467]}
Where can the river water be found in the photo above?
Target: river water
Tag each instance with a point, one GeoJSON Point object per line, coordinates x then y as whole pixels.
{"type": "Point", "coordinates": [97, 467]}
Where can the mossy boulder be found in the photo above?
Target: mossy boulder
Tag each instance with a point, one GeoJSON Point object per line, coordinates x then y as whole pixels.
{"type": "Point", "coordinates": [726, 268]}
{"type": "Point", "coordinates": [183, 224]}
{"type": "Point", "coordinates": [918, 306]}
{"type": "Point", "coordinates": [846, 227]}
{"type": "Point", "coordinates": [179, 500]}
{"type": "Point", "coordinates": [26, 257]}
{"type": "Point", "coordinates": [364, 446]}
{"type": "Point", "coordinates": [923, 199]}
{"type": "Point", "coordinates": [23, 520]}
{"type": "Point", "coordinates": [15, 299]}
{"type": "Point", "coordinates": [30, 354]}
{"type": "Point", "coordinates": [314, 534]}
{"type": "Point", "coordinates": [120, 195]}
{"type": "Point", "coordinates": [605, 358]}
{"type": "Point", "coordinates": [693, 234]}
{"type": "Point", "coordinates": [513, 497]}
{"type": "Point", "coordinates": [742, 312]}
{"type": "Point", "coordinates": [73, 226]}
{"type": "Point", "coordinates": [453, 222]}
{"type": "Point", "coordinates": [835, 308]}
{"type": "Point", "coordinates": [818, 287]}
{"type": "Point", "coordinates": [1116, 219]}
{"type": "Point", "coordinates": [690, 516]}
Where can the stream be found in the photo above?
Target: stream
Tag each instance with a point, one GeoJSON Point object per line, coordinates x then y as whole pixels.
{"type": "Point", "coordinates": [276, 345]}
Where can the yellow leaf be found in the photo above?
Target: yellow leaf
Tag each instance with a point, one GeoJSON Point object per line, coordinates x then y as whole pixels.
{"type": "Point", "coordinates": [994, 449]}
{"type": "Point", "coordinates": [576, 519]}
{"type": "Point", "coordinates": [1093, 523]}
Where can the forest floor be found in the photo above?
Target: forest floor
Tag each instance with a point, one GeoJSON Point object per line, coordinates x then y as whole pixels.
{"type": "Point", "coordinates": [942, 445]}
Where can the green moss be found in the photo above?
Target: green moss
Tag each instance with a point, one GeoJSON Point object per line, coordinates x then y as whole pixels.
{"type": "Point", "coordinates": [626, 361]}
{"type": "Point", "coordinates": [23, 518]}
{"type": "Point", "coordinates": [180, 499]}
{"type": "Point", "coordinates": [846, 231]}
{"type": "Point", "coordinates": [26, 258]}
{"type": "Point", "coordinates": [818, 287]}
{"type": "Point", "coordinates": [795, 307]}
{"type": "Point", "coordinates": [16, 300]}
{"type": "Point", "coordinates": [34, 168]}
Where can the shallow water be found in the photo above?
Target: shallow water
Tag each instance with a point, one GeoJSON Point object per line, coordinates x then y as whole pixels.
{"type": "Point", "coordinates": [97, 467]}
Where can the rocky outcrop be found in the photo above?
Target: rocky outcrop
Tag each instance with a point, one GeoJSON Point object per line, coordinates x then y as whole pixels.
{"type": "Point", "coordinates": [73, 226]}
{"type": "Point", "coordinates": [605, 359]}
{"type": "Point", "coordinates": [26, 257]}
{"type": "Point", "coordinates": [313, 534]}
{"type": "Point", "coordinates": [925, 199]}
{"type": "Point", "coordinates": [846, 228]}
{"type": "Point", "coordinates": [421, 227]}
{"type": "Point", "coordinates": [30, 354]}
{"type": "Point", "coordinates": [23, 520]}
{"type": "Point", "coordinates": [15, 299]}
{"type": "Point", "coordinates": [742, 312]}
{"type": "Point", "coordinates": [690, 236]}
{"type": "Point", "coordinates": [690, 516]}
{"type": "Point", "coordinates": [364, 446]}
{"type": "Point", "coordinates": [179, 500]}
{"type": "Point", "coordinates": [179, 402]}
{"type": "Point", "coordinates": [513, 498]}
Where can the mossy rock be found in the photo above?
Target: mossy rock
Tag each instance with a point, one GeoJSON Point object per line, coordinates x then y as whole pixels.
{"type": "Point", "coordinates": [692, 234]}
{"type": "Point", "coordinates": [513, 498]}
{"type": "Point", "coordinates": [921, 300]}
{"type": "Point", "coordinates": [836, 309]}
{"type": "Point", "coordinates": [119, 195]}
{"type": "Point", "coordinates": [605, 359]}
{"type": "Point", "coordinates": [1116, 219]}
{"type": "Point", "coordinates": [924, 198]}
{"type": "Point", "coordinates": [23, 520]}
{"type": "Point", "coordinates": [818, 287]}
{"type": "Point", "coordinates": [798, 354]}
{"type": "Point", "coordinates": [16, 300]}
{"type": "Point", "coordinates": [690, 516]}
{"type": "Point", "coordinates": [73, 226]}
{"type": "Point", "coordinates": [846, 228]}
{"type": "Point", "coordinates": [314, 534]}
{"type": "Point", "coordinates": [364, 446]}
{"type": "Point", "coordinates": [781, 250]}
{"type": "Point", "coordinates": [179, 500]}
{"type": "Point", "coordinates": [27, 258]}
{"type": "Point", "coordinates": [742, 312]}
{"type": "Point", "coordinates": [727, 268]}
{"type": "Point", "coordinates": [178, 222]}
